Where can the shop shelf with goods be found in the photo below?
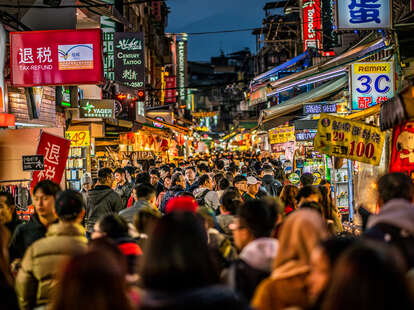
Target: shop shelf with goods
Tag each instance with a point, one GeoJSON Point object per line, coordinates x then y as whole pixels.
{"type": "Point", "coordinates": [76, 166]}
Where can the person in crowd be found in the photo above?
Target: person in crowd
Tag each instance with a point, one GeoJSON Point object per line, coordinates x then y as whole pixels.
{"type": "Point", "coordinates": [253, 185]}
{"type": "Point", "coordinates": [322, 262]}
{"type": "Point", "coordinates": [8, 297]}
{"type": "Point", "coordinates": [223, 185]}
{"type": "Point", "coordinates": [44, 194]}
{"type": "Point", "coordinates": [368, 276]}
{"type": "Point", "coordinates": [102, 200]}
{"type": "Point", "coordinates": [130, 175]}
{"type": "Point", "coordinates": [146, 196]}
{"type": "Point", "coordinates": [12, 221]}
{"type": "Point", "coordinates": [114, 227]}
{"type": "Point", "coordinates": [280, 175]}
{"type": "Point", "coordinates": [177, 186]}
{"type": "Point", "coordinates": [330, 212]}
{"type": "Point", "coordinates": [177, 270]}
{"type": "Point", "coordinates": [288, 197]}
{"type": "Point", "coordinates": [205, 196]}
{"type": "Point", "coordinates": [156, 181]}
{"type": "Point", "coordinates": [143, 177]}
{"type": "Point", "coordinates": [144, 223]}
{"type": "Point", "coordinates": [191, 181]}
{"type": "Point", "coordinates": [286, 287]}
{"type": "Point", "coordinates": [395, 222]}
{"type": "Point", "coordinates": [203, 169]}
{"type": "Point", "coordinates": [167, 185]}
{"type": "Point", "coordinates": [86, 183]}
{"type": "Point", "coordinates": [328, 186]}
{"type": "Point", "coordinates": [306, 179]}
{"type": "Point", "coordinates": [251, 234]}
{"type": "Point", "coordinates": [308, 194]}
{"type": "Point", "coordinates": [37, 278]}
{"type": "Point", "coordinates": [216, 180]}
{"type": "Point", "coordinates": [95, 280]}
{"type": "Point", "coordinates": [272, 186]}
{"type": "Point", "coordinates": [123, 188]}
{"type": "Point", "coordinates": [230, 202]}
{"type": "Point", "coordinates": [220, 165]}
{"type": "Point", "coordinates": [164, 171]}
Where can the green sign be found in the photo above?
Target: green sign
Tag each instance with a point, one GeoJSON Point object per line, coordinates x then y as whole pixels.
{"type": "Point", "coordinates": [108, 29]}
{"type": "Point", "coordinates": [93, 108]}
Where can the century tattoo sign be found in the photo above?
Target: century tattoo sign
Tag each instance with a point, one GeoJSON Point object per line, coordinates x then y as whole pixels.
{"type": "Point", "coordinates": [364, 14]}
{"type": "Point", "coordinates": [129, 58]}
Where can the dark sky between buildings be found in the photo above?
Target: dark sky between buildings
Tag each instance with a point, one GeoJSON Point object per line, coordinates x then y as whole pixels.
{"type": "Point", "coordinates": [215, 15]}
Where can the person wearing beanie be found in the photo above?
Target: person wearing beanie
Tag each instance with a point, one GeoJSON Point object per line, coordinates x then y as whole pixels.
{"type": "Point", "coordinates": [86, 182]}
{"type": "Point", "coordinates": [37, 277]}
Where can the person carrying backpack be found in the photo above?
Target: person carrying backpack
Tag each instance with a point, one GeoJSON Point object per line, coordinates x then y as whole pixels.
{"type": "Point", "coordinates": [205, 196]}
{"type": "Point", "coordinates": [272, 186]}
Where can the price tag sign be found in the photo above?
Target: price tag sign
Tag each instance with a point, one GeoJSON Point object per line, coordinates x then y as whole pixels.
{"type": "Point", "coordinates": [78, 138]}
{"type": "Point", "coordinates": [354, 140]}
{"type": "Point", "coordinates": [371, 83]}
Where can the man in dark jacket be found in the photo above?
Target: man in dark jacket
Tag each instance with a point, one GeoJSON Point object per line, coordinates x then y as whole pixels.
{"type": "Point", "coordinates": [123, 188]}
{"type": "Point", "coordinates": [191, 180]}
{"type": "Point", "coordinates": [156, 181]}
{"type": "Point", "coordinates": [272, 186]}
{"type": "Point", "coordinates": [395, 222]}
{"type": "Point", "coordinates": [102, 199]}
{"type": "Point", "coordinates": [146, 198]}
{"type": "Point", "coordinates": [44, 194]}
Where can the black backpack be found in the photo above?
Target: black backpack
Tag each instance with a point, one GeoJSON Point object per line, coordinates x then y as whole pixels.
{"type": "Point", "coordinates": [273, 189]}
{"type": "Point", "coordinates": [201, 199]}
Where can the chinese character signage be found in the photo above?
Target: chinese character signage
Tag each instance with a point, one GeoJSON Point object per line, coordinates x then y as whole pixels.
{"type": "Point", "coordinates": [33, 162]}
{"type": "Point", "coordinates": [402, 152]}
{"type": "Point", "coordinates": [129, 58]}
{"type": "Point", "coordinates": [55, 151]}
{"type": "Point", "coordinates": [319, 107]}
{"type": "Point", "coordinates": [170, 91]}
{"type": "Point", "coordinates": [181, 52]}
{"type": "Point", "coordinates": [312, 24]}
{"type": "Point", "coordinates": [78, 138]}
{"type": "Point", "coordinates": [56, 57]}
{"type": "Point", "coordinates": [354, 140]}
{"type": "Point", "coordinates": [108, 28]}
{"type": "Point", "coordinates": [94, 108]}
{"type": "Point", "coordinates": [364, 14]}
{"type": "Point", "coordinates": [371, 83]}
{"type": "Point", "coordinates": [305, 135]}
{"type": "Point", "coordinates": [258, 96]}
{"type": "Point", "coordinates": [282, 135]}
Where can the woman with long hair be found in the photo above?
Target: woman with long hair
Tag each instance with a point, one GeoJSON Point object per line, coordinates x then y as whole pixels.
{"type": "Point", "coordinates": [286, 287]}
{"type": "Point", "coordinates": [288, 197]}
{"type": "Point", "coordinates": [329, 211]}
{"type": "Point", "coordinates": [178, 271]}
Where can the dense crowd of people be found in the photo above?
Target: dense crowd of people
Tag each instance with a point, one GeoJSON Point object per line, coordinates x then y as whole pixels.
{"type": "Point", "coordinates": [212, 233]}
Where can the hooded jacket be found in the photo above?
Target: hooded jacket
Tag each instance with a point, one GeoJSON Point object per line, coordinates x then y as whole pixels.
{"type": "Point", "coordinates": [394, 225]}
{"type": "Point", "coordinates": [252, 267]}
{"type": "Point", "coordinates": [211, 199]}
{"type": "Point", "coordinates": [124, 191]}
{"type": "Point", "coordinates": [129, 214]}
{"type": "Point", "coordinates": [172, 192]}
{"type": "Point", "coordinates": [273, 187]}
{"type": "Point", "coordinates": [204, 298]}
{"type": "Point", "coordinates": [102, 200]}
{"type": "Point", "coordinates": [36, 279]}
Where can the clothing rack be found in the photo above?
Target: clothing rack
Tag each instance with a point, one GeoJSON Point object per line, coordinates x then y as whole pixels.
{"type": "Point", "coordinates": [15, 181]}
{"type": "Point", "coordinates": [21, 195]}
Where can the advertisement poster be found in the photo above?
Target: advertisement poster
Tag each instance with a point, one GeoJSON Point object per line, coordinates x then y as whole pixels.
{"type": "Point", "coordinates": [170, 89]}
{"type": "Point", "coordinates": [366, 14]}
{"type": "Point", "coordinates": [371, 83]}
{"type": "Point", "coordinates": [181, 52]}
{"type": "Point", "coordinates": [282, 135]}
{"type": "Point", "coordinates": [55, 151]}
{"type": "Point", "coordinates": [56, 57]}
{"type": "Point", "coordinates": [78, 137]}
{"type": "Point", "coordinates": [312, 24]}
{"type": "Point", "coordinates": [402, 152]}
{"type": "Point", "coordinates": [95, 108]}
{"type": "Point", "coordinates": [354, 140]}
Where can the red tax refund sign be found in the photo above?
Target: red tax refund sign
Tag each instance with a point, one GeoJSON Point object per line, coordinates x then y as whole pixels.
{"type": "Point", "coordinates": [56, 57]}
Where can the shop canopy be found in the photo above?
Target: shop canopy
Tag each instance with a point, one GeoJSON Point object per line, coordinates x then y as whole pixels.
{"type": "Point", "coordinates": [296, 103]}
{"type": "Point", "coordinates": [330, 69]}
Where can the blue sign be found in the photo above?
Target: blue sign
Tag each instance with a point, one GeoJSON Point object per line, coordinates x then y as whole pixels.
{"type": "Point", "coordinates": [305, 135]}
{"type": "Point", "coordinates": [364, 14]}
{"type": "Point", "coordinates": [319, 107]}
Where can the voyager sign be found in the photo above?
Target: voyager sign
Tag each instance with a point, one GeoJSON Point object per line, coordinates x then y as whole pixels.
{"type": "Point", "coordinates": [94, 108]}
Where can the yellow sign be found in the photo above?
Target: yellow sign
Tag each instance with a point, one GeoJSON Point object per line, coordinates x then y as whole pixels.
{"type": "Point", "coordinates": [354, 140]}
{"type": "Point", "coordinates": [78, 138]}
{"type": "Point", "coordinates": [375, 67]}
{"type": "Point", "coordinates": [282, 135]}
{"type": "Point", "coordinates": [204, 114]}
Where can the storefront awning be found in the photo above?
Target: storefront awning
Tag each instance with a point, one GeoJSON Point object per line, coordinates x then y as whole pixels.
{"type": "Point", "coordinates": [296, 103]}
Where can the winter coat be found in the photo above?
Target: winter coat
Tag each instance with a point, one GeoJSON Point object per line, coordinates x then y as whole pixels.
{"type": "Point", "coordinates": [211, 199]}
{"type": "Point", "coordinates": [36, 279]}
{"type": "Point", "coordinates": [102, 200]}
{"type": "Point", "coordinates": [272, 186]}
{"type": "Point", "coordinates": [172, 192]}
{"type": "Point", "coordinates": [205, 298]}
{"type": "Point", "coordinates": [24, 236]}
{"type": "Point", "coordinates": [224, 220]}
{"type": "Point", "coordinates": [191, 187]}
{"type": "Point", "coordinates": [8, 298]}
{"type": "Point", "coordinates": [395, 225]}
{"type": "Point", "coordinates": [129, 214]}
{"type": "Point", "coordinates": [252, 267]}
{"type": "Point", "coordinates": [124, 191]}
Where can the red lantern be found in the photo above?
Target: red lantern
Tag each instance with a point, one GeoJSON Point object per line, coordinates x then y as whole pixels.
{"type": "Point", "coordinates": [164, 145]}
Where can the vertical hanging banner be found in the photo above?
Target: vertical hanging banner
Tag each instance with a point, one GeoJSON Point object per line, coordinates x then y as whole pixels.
{"type": "Point", "coordinates": [170, 89]}
{"type": "Point", "coordinates": [371, 83]}
{"type": "Point", "coordinates": [312, 34]}
{"type": "Point", "coordinates": [402, 152]}
{"type": "Point", "coordinates": [56, 57]}
{"type": "Point", "coordinates": [364, 14]}
{"type": "Point", "coordinates": [108, 28]}
{"type": "Point", "coordinates": [181, 54]}
{"type": "Point", "coordinates": [55, 151]}
{"type": "Point", "coordinates": [2, 61]}
{"type": "Point", "coordinates": [129, 58]}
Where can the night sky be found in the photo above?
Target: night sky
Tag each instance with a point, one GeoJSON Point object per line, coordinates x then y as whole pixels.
{"type": "Point", "coordinates": [214, 15]}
